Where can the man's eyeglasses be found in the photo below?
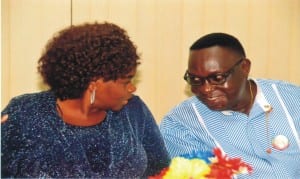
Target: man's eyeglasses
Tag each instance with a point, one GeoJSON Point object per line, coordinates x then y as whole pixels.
{"type": "Point", "coordinates": [214, 79]}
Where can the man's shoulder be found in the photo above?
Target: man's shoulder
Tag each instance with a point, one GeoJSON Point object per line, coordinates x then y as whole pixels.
{"type": "Point", "coordinates": [184, 108]}
{"type": "Point", "coordinates": [270, 82]}
{"type": "Point", "coordinates": [282, 86]}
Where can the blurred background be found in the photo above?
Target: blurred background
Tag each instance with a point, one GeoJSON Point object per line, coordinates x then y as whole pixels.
{"type": "Point", "coordinates": [163, 31]}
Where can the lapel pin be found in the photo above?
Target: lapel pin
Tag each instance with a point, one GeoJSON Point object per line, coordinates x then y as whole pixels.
{"type": "Point", "coordinates": [280, 142]}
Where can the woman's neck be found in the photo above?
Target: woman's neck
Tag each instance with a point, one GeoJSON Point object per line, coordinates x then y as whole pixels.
{"type": "Point", "coordinates": [79, 113]}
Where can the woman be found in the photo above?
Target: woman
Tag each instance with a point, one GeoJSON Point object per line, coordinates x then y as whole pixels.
{"type": "Point", "coordinates": [88, 124]}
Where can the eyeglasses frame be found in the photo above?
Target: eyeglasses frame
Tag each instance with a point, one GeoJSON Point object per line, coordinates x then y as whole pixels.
{"type": "Point", "coordinates": [203, 79]}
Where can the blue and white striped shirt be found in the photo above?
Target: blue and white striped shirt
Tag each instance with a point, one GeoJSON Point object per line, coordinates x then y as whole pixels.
{"type": "Point", "coordinates": [191, 126]}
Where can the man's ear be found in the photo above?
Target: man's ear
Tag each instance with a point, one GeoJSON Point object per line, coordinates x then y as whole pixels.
{"type": "Point", "coordinates": [246, 66]}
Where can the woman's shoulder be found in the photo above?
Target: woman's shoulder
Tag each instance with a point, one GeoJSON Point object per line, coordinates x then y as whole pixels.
{"type": "Point", "coordinates": [138, 109]}
{"type": "Point", "coordinates": [135, 99]}
{"type": "Point", "coordinates": [135, 102]}
{"type": "Point", "coordinates": [28, 101]}
{"type": "Point", "coordinates": [27, 97]}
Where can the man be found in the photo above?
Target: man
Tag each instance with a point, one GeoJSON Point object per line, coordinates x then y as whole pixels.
{"type": "Point", "coordinates": [257, 120]}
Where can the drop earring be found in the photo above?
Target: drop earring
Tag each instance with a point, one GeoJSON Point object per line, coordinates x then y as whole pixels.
{"type": "Point", "coordinates": [92, 98]}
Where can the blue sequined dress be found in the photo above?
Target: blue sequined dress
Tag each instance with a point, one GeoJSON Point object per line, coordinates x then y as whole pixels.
{"type": "Point", "coordinates": [35, 142]}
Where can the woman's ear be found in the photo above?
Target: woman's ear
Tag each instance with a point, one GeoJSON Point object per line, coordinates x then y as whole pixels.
{"type": "Point", "coordinates": [95, 84]}
{"type": "Point", "coordinates": [92, 86]}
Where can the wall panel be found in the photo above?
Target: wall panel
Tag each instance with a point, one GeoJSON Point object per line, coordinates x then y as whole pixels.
{"type": "Point", "coordinates": [163, 30]}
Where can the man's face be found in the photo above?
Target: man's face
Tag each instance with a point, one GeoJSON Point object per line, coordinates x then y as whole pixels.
{"type": "Point", "coordinates": [227, 73]}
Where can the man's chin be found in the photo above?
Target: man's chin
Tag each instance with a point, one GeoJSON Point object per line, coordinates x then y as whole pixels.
{"type": "Point", "coordinates": [216, 107]}
{"type": "Point", "coordinates": [217, 104]}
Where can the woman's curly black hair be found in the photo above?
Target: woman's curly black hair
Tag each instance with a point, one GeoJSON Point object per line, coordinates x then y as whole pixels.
{"type": "Point", "coordinates": [80, 54]}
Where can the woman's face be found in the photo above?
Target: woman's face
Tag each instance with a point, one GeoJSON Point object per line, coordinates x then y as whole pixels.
{"type": "Point", "coordinates": [114, 95]}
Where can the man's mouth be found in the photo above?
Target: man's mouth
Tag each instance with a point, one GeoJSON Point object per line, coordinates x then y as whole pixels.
{"type": "Point", "coordinates": [212, 98]}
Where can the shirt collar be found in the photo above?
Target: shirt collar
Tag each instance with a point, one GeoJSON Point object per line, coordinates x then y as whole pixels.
{"type": "Point", "coordinates": [259, 99]}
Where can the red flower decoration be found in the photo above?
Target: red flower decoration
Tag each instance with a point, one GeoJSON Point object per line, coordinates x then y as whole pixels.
{"type": "Point", "coordinates": [219, 165]}
{"type": "Point", "coordinates": [160, 175]}
{"type": "Point", "coordinates": [226, 167]}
